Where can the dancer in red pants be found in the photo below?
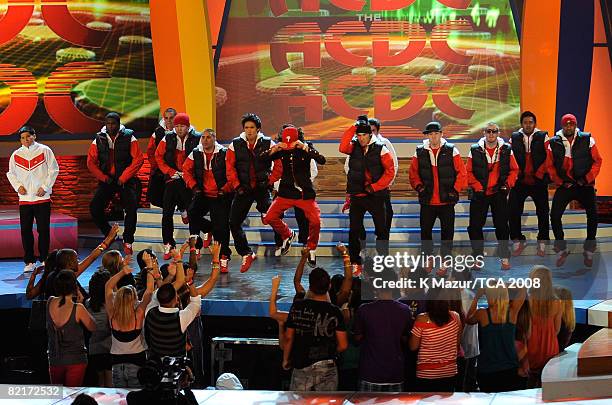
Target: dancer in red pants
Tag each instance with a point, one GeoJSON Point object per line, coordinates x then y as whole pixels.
{"type": "Point", "coordinates": [296, 188]}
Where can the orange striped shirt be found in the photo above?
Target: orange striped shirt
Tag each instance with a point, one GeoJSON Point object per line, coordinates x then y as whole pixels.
{"type": "Point", "coordinates": [437, 357]}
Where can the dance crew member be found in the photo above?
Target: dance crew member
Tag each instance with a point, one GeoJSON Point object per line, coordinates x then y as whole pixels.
{"type": "Point", "coordinates": [155, 192]}
{"type": "Point", "coordinates": [370, 173]}
{"type": "Point", "coordinates": [574, 163]}
{"type": "Point", "coordinates": [170, 155]}
{"type": "Point", "coordinates": [252, 178]}
{"type": "Point", "coordinates": [438, 174]}
{"type": "Point", "coordinates": [375, 125]}
{"type": "Point", "coordinates": [529, 146]}
{"type": "Point", "coordinates": [492, 172]}
{"type": "Point", "coordinates": [204, 172]}
{"type": "Point", "coordinates": [296, 188]}
{"type": "Point", "coordinates": [114, 158]}
{"type": "Point", "coordinates": [32, 173]}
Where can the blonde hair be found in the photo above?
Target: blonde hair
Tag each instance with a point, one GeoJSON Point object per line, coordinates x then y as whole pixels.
{"type": "Point", "coordinates": [542, 299]}
{"type": "Point", "coordinates": [123, 305]}
{"type": "Point", "coordinates": [498, 297]}
{"type": "Point", "coordinates": [568, 316]}
{"type": "Point", "coordinates": [111, 261]}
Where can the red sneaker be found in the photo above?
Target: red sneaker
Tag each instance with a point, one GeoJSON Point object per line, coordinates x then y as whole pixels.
{"type": "Point", "coordinates": [505, 264]}
{"type": "Point", "coordinates": [347, 204]}
{"type": "Point", "coordinates": [518, 247]}
{"type": "Point", "coordinates": [357, 268]}
{"type": "Point", "coordinates": [207, 240]}
{"type": "Point", "coordinates": [198, 254]}
{"type": "Point", "coordinates": [127, 249]}
{"type": "Point", "coordinates": [247, 261]}
{"type": "Point", "coordinates": [224, 262]}
{"type": "Point", "coordinates": [541, 249]}
{"type": "Point", "coordinates": [588, 259]}
{"type": "Point", "coordinates": [562, 257]}
{"type": "Point", "coordinates": [167, 250]}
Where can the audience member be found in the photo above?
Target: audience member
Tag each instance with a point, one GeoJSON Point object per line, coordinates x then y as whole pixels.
{"type": "Point", "coordinates": [315, 334]}
{"type": "Point", "coordinates": [67, 353]}
{"type": "Point", "coordinates": [99, 360]}
{"type": "Point", "coordinates": [546, 312]}
{"type": "Point", "coordinates": [126, 315]}
{"type": "Point", "coordinates": [523, 331]}
{"type": "Point", "coordinates": [436, 335]}
{"type": "Point", "coordinates": [498, 361]}
{"type": "Point", "coordinates": [84, 399]}
{"type": "Point", "coordinates": [568, 317]}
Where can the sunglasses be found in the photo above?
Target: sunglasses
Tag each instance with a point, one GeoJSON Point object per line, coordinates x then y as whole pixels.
{"type": "Point", "coordinates": [492, 131]}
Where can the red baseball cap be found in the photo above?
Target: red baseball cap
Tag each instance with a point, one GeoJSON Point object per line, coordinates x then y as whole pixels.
{"type": "Point", "coordinates": [290, 135]}
{"type": "Point", "coordinates": [568, 118]}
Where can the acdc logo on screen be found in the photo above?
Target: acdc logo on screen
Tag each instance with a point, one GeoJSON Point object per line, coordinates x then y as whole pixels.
{"type": "Point", "coordinates": [64, 65]}
{"type": "Point", "coordinates": [321, 63]}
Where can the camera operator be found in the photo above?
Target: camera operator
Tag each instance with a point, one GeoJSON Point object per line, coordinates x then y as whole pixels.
{"type": "Point", "coordinates": [165, 383]}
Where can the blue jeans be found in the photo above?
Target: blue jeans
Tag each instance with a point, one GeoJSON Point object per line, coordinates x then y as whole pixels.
{"type": "Point", "coordinates": [125, 375]}
{"type": "Point", "coordinates": [320, 376]}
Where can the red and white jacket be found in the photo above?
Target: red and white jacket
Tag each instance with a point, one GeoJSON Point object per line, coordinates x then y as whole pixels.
{"type": "Point", "coordinates": [93, 163]}
{"type": "Point", "coordinates": [568, 162]}
{"type": "Point", "coordinates": [415, 178]}
{"type": "Point", "coordinates": [33, 168]}
{"type": "Point", "coordinates": [493, 163]}
{"type": "Point", "coordinates": [210, 184]}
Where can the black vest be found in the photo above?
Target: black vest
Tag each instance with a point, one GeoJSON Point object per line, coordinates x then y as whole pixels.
{"type": "Point", "coordinates": [480, 165]}
{"type": "Point", "coordinates": [538, 150]}
{"type": "Point", "coordinates": [192, 141]}
{"type": "Point", "coordinates": [581, 156]}
{"type": "Point", "coordinates": [122, 147]}
{"type": "Point", "coordinates": [296, 172]}
{"type": "Point", "coordinates": [446, 173]}
{"type": "Point", "coordinates": [163, 333]}
{"type": "Point", "coordinates": [217, 166]}
{"type": "Point", "coordinates": [244, 157]}
{"type": "Point", "coordinates": [359, 163]}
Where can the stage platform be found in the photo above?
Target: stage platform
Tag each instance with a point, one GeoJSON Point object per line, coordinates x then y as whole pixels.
{"type": "Point", "coordinates": [116, 396]}
{"type": "Point", "coordinates": [247, 294]}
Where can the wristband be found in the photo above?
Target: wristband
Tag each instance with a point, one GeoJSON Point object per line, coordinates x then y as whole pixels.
{"type": "Point", "coordinates": [192, 249]}
{"type": "Point", "coordinates": [101, 248]}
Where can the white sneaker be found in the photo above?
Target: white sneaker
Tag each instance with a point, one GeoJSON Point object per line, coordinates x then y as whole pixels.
{"type": "Point", "coordinates": [287, 243]}
{"type": "Point", "coordinates": [167, 248]}
{"type": "Point", "coordinates": [278, 252]}
{"type": "Point", "coordinates": [312, 259]}
{"type": "Point", "coordinates": [29, 267]}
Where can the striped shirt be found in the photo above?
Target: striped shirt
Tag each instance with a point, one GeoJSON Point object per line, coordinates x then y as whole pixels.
{"type": "Point", "coordinates": [437, 357]}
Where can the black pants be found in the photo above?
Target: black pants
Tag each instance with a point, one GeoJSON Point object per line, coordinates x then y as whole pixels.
{"type": "Point", "coordinates": [478, 217]}
{"type": "Point", "coordinates": [466, 374]}
{"type": "Point", "coordinates": [42, 213]}
{"type": "Point", "coordinates": [429, 213]}
{"type": "Point", "coordinates": [500, 381]}
{"type": "Point", "coordinates": [302, 223]}
{"type": "Point", "coordinates": [585, 195]}
{"type": "Point", "coordinates": [388, 219]}
{"type": "Point", "coordinates": [129, 195]}
{"type": "Point", "coordinates": [516, 202]}
{"type": "Point", "coordinates": [239, 211]}
{"type": "Point", "coordinates": [436, 384]}
{"type": "Point", "coordinates": [218, 224]}
{"type": "Point", "coordinates": [375, 205]}
{"type": "Point", "coordinates": [176, 194]}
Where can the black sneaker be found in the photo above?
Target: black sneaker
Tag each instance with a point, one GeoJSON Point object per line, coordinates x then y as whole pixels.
{"type": "Point", "coordinates": [287, 243]}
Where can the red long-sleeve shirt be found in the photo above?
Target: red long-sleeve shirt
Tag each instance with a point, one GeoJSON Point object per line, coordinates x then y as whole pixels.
{"type": "Point", "coordinates": [180, 155]}
{"type": "Point", "coordinates": [210, 188]}
{"type": "Point", "coordinates": [415, 178]}
{"type": "Point", "coordinates": [151, 152]}
{"type": "Point", "coordinates": [232, 174]}
{"type": "Point", "coordinates": [93, 162]}
{"type": "Point", "coordinates": [346, 147]}
{"type": "Point", "coordinates": [568, 162]}
{"type": "Point", "coordinates": [493, 160]}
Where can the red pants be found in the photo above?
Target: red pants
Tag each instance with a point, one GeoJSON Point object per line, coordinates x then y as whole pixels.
{"type": "Point", "coordinates": [311, 210]}
{"type": "Point", "coordinates": [71, 375]}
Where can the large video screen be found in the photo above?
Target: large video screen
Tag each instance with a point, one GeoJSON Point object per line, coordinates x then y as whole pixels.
{"type": "Point", "coordinates": [321, 63]}
{"type": "Point", "coordinates": [64, 65]}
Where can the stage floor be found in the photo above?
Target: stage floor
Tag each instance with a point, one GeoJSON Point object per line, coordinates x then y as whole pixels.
{"type": "Point", "coordinates": [247, 294]}
{"type": "Point", "coordinates": [116, 396]}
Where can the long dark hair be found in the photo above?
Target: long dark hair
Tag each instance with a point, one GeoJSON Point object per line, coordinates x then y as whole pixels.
{"type": "Point", "coordinates": [65, 284]}
{"type": "Point", "coordinates": [96, 289]}
{"type": "Point", "coordinates": [438, 306]}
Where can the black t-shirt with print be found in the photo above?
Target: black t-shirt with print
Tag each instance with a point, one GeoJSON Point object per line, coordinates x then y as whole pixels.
{"type": "Point", "coordinates": [315, 324]}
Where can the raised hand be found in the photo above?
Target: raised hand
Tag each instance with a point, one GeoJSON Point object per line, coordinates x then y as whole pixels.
{"type": "Point", "coordinates": [184, 247]}
{"type": "Point", "coordinates": [341, 248]}
{"type": "Point", "coordinates": [147, 259]}
{"type": "Point", "coordinates": [276, 282]}
{"type": "Point", "coordinates": [112, 234]}
{"type": "Point", "coordinates": [125, 265]}
{"type": "Point", "coordinates": [215, 249]}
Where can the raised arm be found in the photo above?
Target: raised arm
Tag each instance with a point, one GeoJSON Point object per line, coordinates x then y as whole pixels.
{"type": "Point", "coordinates": [179, 279]}
{"type": "Point", "coordinates": [471, 318]}
{"type": "Point", "coordinates": [273, 312]}
{"type": "Point", "coordinates": [207, 287]}
{"type": "Point", "coordinates": [347, 282]}
{"type": "Point", "coordinates": [109, 288]}
{"type": "Point", "coordinates": [84, 265]}
{"type": "Point", "coordinates": [33, 291]}
{"type": "Point", "coordinates": [299, 271]}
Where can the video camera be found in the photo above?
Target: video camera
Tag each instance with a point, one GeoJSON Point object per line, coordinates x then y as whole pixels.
{"type": "Point", "coordinates": [163, 380]}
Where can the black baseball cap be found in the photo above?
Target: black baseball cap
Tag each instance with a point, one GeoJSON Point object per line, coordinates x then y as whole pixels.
{"type": "Point", "coordinates": [433, 126]}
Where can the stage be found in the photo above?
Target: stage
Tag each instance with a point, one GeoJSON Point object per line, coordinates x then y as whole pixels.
{"type": "Point", "coordinates": [247, 294]}
{"type": "Point", "coordinates": [116, 396]}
